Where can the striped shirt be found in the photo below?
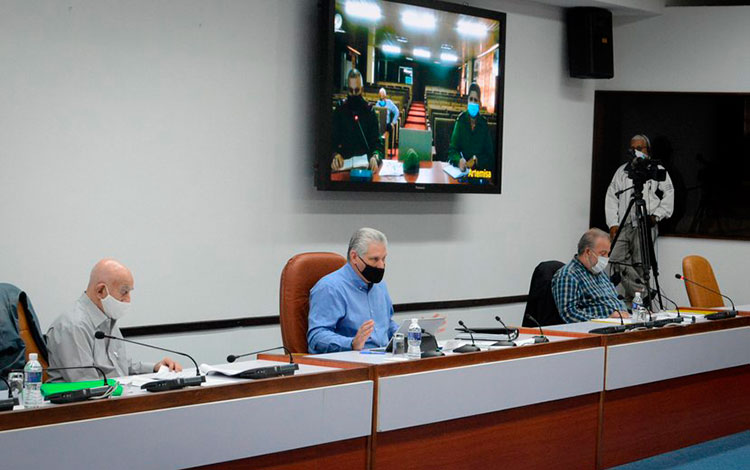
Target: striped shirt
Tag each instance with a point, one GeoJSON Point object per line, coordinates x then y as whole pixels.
{"type": "Point", "coordinates": [581, 295]}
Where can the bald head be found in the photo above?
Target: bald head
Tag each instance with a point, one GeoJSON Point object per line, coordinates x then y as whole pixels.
{"type": "Point", "coordinates": [109, 277]}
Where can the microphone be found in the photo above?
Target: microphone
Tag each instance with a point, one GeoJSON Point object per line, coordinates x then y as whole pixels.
{"type": "Point", "coordinates": [714, 316]}
{"type": "Point", "coordinates": [356, 119]}
{"type": "Point", "coordinates": [161, 385]}
{"type": "Point", "coordinates": [72, 396]}
{"type": "Point", "coordinates": [620, 297]}
{"type": "Point", "coordinates": [232, 357]}
{"type": "Point", "coordinates": [466, 348]}
{"type": "Point", "coordinates": [541, 338]}
{"type": "Point", "coordinates": [679, 318]}
{"type": "Point", "coordinates": [507, 342]}
{"type": "Point", "coordinates": [7, 404]}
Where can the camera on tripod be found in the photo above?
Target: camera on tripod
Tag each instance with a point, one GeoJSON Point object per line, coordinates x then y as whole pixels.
{"type": "Point", "coordinates": [641, 169]}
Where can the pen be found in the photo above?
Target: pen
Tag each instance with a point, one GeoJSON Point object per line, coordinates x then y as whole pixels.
{"type": "Point", "coordinates": [367, 351]}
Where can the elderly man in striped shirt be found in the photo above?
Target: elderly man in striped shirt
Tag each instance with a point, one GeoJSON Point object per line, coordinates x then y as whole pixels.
{"type": "Point", "coordinates": [581, 288]}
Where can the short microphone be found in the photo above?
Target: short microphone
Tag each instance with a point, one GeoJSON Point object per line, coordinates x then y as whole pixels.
{"type": "Point", "coordinates": [503, 342]}
{"type": "Point", "coordinates": [541, 338]}
{"type": "Point", "coordinates": [679, 318]}
{"type": "Point", "coordinates": [356, 119]}
{"type": "Point", "coordinates": [466, 348]}
{"type": "Point", "coordinates": [101, 335]}
{"type": "Point", "coordinates": [232, 357]}
{"type": "Point", "coordinates": [718, 315]}
{"type": "Point", "coordinates": [7, 404]}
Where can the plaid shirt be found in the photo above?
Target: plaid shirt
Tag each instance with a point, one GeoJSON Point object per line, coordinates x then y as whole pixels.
{"type": "Point", "coordinates": [581, 295]}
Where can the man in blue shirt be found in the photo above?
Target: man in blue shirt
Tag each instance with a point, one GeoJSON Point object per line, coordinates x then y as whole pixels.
{"type": "Point", "coordinates": [581, 289]}
{"type": "Point", "coordinates": [350, 309]}
{"type": "Point", "coordinates": [387, 103]}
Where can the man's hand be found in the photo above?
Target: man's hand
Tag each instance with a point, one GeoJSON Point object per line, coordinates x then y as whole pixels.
{"type": "Point", "coordinates": [363, 333]}
{"type": "Point", "coordinates": [462, 164]}
{"type": "Point", "coordinates": [612, 232]}
{"type": "Point", "coordinates": [373, 164]}
{"type": "Point", "coordinates": [173, 366]}
{"type": "Point", "coordinates": [617, 314]}
{"type": "Point", "coordinates": [338, 162]}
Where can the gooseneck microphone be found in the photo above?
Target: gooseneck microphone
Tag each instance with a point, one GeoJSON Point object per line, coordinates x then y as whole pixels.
{"type": "Point", "coordinates": [503, 342]}
{"type": "Point", "coordinates": [232, 357]}
{"type": "Point", "coordinates": [162, 385]}
{"type": "Point", "coordinates": [356, 119]}
{"type": "Point", "coordinates": [679, 318]}
{"type": "Point", "coordinates": [102, 335]}
{"type": "Point", "coordinates": [541, 338]}
{"type": "Point", "coordinates": [714, 316]}
{"type": "Point", "coordinates": [467, 348]}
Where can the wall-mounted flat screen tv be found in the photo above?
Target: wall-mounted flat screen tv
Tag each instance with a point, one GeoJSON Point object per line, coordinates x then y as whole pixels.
{"type": "Point", "coordinates": [411, 97]}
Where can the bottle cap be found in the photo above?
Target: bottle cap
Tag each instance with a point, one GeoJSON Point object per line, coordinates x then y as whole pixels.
{"type": "Point", "coordinates": [33, 356]}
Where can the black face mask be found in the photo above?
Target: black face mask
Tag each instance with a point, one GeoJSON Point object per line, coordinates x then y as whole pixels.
{"type": "Point", "coordinates": [356, 101]}
{"type": "Point", "coordinates": [372, 274]}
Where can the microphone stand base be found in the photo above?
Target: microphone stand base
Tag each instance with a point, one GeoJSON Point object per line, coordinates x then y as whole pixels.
{"type": "Point", "coordinates": [503, 343]}
{"type": "Point", "coordinates": [721, 315]}
{"type": "Point", "coordinates": [467, 348]}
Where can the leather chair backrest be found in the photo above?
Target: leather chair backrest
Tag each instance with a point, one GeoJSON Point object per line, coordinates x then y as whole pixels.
{"type": "Point", "coordinates": [299, 275]}
{"type": "Point", "coordinates": [24, 331]}
{"type": "Point", "coordinates": [698, 269]}
{"type": "Point", "coordinates": [541, 304]}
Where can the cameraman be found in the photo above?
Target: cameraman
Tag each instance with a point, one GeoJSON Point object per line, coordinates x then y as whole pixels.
{"type": "Point", "coordinates": [659, 199]}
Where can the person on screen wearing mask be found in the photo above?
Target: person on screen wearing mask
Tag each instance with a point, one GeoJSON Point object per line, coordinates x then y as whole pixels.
{"type": "Point", "coordinates": [581, 289]}
{"type": "Point", "coordinates": [659, 199]}
{"type": "Point", "coordinates": [70, 338]}
{"type": "Point", "coordinates": [355, 127]}
{"type": "Point", "coordinates": [350, 309]}
{"type": "Point", "coordinates": [391, 119]}
{"type": "Point", "coordinates": [471, 143]}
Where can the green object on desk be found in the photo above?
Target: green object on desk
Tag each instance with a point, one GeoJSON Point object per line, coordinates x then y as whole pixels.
{"type": "Point", "coordinates": [58, 387]}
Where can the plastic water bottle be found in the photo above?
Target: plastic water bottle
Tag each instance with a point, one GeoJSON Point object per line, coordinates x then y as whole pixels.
{"type": "Point", "coordinates": [639, 312]}
{"type": "Point", "coordinates": [415, 340]}
{"type": "Point", "coordinates": [32, 383]}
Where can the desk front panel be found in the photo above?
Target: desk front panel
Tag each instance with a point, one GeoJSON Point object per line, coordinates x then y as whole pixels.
{"type": "Point", "coordinates": [198, 434]}
{"type": "Point", "coordinates": [438, 395]}
{"type": "Point", "coordinates": [643, 362]}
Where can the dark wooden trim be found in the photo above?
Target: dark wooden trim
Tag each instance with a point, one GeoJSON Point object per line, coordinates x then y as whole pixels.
{"type": "Point", "coordinates": [192, 327]}
{"type": "Point", "coordinates": [669, 332]}
{"type": "Point", "coordinates": [467, 303]}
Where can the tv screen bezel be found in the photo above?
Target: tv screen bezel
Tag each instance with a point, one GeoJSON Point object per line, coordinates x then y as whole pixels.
{"type": "Point", "coordinates": [323, 124]}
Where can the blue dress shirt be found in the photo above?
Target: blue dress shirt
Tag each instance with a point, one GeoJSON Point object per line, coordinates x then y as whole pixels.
{"type": "Point", "coordinates": [339, 303]}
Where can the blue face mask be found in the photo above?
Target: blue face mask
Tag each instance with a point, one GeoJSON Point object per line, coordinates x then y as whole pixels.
{"type": "Point", "coordinates": [473, 109]}
{"type": "Point", "coordinates": [381, 103]}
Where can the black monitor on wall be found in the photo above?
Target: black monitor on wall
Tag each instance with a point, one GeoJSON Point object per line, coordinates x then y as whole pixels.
{"type": "Point", "coordinates": [410, 97]}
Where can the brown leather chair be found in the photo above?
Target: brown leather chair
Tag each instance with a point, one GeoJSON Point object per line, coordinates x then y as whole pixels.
{"type": "Point", "coordinates": [28, 338]}
{"type": "Point", "coordinates": [297, 278]}
{"type": "Point", "coordinates": [698, 269]}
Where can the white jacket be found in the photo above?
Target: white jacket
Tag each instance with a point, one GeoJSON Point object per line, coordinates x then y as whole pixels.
{"type": "Point", "coordinates": [614, 206]}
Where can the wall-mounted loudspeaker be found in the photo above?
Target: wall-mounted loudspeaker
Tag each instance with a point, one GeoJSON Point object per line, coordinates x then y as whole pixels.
{"type": "Point", "coordinates": [590, 42]}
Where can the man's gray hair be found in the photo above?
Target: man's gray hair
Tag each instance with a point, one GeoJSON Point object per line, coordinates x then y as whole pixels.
{"type": "Point", "coordinates": [644, 138]}
{"type": "Point", "coordinates": [588, 240]}
{"type": "Point", "coordinates": [362, 238]}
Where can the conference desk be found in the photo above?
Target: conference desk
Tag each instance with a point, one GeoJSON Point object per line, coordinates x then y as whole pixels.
{"type": "Point", "coordinates": [430, 172]}
{"type": "Point", "coordinates": [291, 421]}
{"type": "Point", "coordinates": [672, 387]}
{"type": "Point", "coordinates": [505, 408]}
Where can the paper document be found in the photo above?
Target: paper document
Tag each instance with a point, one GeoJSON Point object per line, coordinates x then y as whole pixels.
{"type": "Point", "coordinates": [391, 168]}
{"type": "Point", "coordinates": [455, 172]}
{"type": "Point", "coordinates": [357, 161]}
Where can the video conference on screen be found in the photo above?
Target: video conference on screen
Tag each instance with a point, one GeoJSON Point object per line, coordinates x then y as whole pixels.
{"type": "Point", "coordinates": [416, 96]}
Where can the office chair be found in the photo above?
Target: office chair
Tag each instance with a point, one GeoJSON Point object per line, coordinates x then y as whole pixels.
{"type": "Point", "coordinates": [698, 269]}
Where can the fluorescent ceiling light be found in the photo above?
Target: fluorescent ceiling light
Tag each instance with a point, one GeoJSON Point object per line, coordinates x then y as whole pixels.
{"type": "Point", "coordinates": [472, 29]}
{"type": "Point", "coordinates": [390, 49]}
{"type": "Point", "coordinates": [424, 53]}
{"type": "Point", "coordinates": [363, 10]}
{"type": "Point", "coordinates": [448, 57]}
{"type": "Point", "coordinates": [419, 20]}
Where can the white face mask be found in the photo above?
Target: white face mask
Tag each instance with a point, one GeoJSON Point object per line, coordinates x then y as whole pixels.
{"type": "Point", "coordinates": [114, 308]}
{"type": "Point", "coordinates": [640, 154]}
{"type": "Point", "coordinates": [601, 263]}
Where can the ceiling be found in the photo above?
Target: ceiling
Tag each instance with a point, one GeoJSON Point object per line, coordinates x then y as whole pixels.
{"type": "Point", "coordinates": [390, 29]}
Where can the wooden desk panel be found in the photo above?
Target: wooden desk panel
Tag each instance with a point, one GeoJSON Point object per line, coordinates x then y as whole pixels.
{"type": "Point", "coordinates": [650, 419]}
{"type": "Point", "coordinates": [559, 434]}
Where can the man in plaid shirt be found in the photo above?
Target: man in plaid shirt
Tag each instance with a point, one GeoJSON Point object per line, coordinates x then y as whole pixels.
{"type": "Point", "coordinates": [581, 288]}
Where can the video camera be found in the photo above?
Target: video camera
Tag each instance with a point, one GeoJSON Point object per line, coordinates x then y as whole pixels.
{"type": "Point", "coordinates": [641, 170]}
